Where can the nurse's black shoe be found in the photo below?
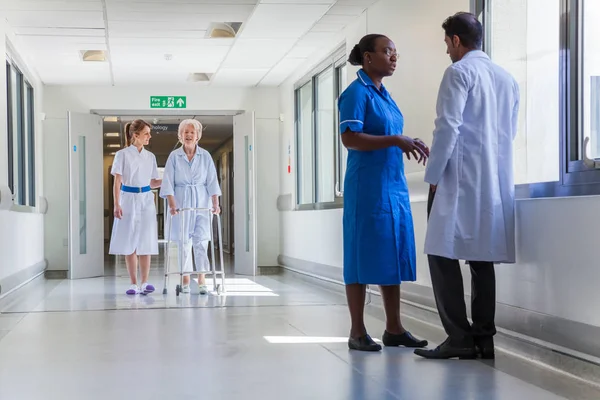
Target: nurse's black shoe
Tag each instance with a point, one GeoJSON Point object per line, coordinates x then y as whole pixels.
{"type": "Point", "coordinates": [363, 343]}
{"type": "Point", "coordinates": [405, 339]}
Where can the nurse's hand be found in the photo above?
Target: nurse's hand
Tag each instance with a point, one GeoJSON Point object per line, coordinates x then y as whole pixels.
{"type": "Point", "coordinates": [118, 212]}
{"type": "Point", "coordinates": [416, 147]}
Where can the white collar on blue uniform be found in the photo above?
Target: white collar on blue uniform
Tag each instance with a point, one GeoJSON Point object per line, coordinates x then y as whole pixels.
{"type": "Point", "coordinates": [365, 80]}
{"type": "Point", "coordinates": [475, 54]}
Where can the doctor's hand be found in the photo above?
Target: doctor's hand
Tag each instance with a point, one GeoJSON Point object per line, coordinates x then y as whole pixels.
{"type": "Point", "coordinates": [416, 147]}
{"type": "Point", "coordinates": [118, 212]}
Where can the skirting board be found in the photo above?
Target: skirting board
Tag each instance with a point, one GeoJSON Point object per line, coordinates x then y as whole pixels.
{"type": "Point", "coordinates": [563, 344]}
{"type": "Point", "coordinates": [56, 274]}
{"type": "Point", "coordinates": [15, 281]}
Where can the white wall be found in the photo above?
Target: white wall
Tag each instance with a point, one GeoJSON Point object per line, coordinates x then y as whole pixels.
{"type": "Point", "coordinates": [58, 100]}
{"type": "Point", "coordinates": [21, 233]}
{"type": "Point", "coordinates": [557, 258]}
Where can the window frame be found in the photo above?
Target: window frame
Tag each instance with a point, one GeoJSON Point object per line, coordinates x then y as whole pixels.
{"type": "Point", "coordinates": [335, 60]}
{"type": "Point", "coordinates": [23, 156]}
{"type": "Point", "coordinates": [575, 177]}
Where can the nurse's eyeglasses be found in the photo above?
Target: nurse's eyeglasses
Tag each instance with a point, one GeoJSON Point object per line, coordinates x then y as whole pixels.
{"type": "Point", "coordinates": [388, 52]}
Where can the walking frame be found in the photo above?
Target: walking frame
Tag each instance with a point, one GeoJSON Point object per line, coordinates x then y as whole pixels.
{"type": "Point", "coordinates": [219, 288]}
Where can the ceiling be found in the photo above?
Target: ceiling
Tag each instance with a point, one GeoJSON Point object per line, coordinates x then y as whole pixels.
{"type": "Point", "coordinates": [164, 41]}
{"type": "Point", "coordinates": [216, 131]}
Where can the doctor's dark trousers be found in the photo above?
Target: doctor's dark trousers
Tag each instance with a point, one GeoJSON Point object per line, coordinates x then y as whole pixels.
{"type": "Point", "coordinates": [449, 295]}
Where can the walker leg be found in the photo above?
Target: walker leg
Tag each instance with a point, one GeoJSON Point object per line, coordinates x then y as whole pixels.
{"type": "Point", "coordinates": [221, 260]}
{"type": "Point", "coordinates": [212, 253]}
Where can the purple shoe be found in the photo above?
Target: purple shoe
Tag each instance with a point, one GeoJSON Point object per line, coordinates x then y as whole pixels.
{"type": "Point", "coordinates": [147, 288]}
{"type": "Point", "coordinates": [133, 289]}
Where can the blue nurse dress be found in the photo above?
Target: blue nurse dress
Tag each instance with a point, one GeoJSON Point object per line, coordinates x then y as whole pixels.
{"type": "Point", "coordinates": [379, 243]}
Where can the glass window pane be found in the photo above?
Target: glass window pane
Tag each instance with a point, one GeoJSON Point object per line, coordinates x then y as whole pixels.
{"type": "Point", "coordinates": [525, 39]}
{"type": "Point", "coordinates": [305, 156]}
{"type": "Point", "coordinates": [82, 196]}
{"type": "Point", "coordinates": [30, 122]}
{"type": "Point", "coordinates": [325, 137]}
{"type": "Point", "coordinates": [9, 128]}
{"type": "Point", "coordinates": [343, 152]}
{"type": "Point", "coordinates": [591, 75]}
{"type": "Point", "coordinates": [14, 107]}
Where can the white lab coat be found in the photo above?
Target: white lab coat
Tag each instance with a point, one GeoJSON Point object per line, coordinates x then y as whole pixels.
{"type": "Point", "coordinates": [471, 162]}
{"type": "Point", "coordinates": [137, 230]}
{"type": "Point", "coordinates": [193, 183]}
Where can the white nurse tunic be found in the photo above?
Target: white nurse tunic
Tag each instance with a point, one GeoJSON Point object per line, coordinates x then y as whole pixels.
{"type": "Point", "coordinates": [136, 231]}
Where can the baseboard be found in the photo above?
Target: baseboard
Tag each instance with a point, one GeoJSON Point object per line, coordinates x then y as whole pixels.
{"type": "Point", "coordinates": [269, 270]}
{"type": "Point", "coordinates": [565, 345]}
{"type": "Point", "coordinates": [21, 278]}
{"type": "Point", "coordinates": [56, 274]}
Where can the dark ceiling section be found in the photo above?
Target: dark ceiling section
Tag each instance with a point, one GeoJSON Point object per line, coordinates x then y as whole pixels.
{"type": "Point", "coordinates": [217, 130]}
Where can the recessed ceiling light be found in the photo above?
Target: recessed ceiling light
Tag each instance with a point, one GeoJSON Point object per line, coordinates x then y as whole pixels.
{"type": "Point", "coordinates": [112, 134]}
{"type": "Point", "coordinates": [93, 55]}
{"type": "Point", "coordinates": [199, 77]}
{"type": "Point", "coordinates": [113, 146]}
{"type": "Point", "coordinates": [223, 30]}
{"type": "Point", "coordinates": [113, 153]}
{"type": "Point", "coordinates": [168, 57]}
{"type": "Point", "coordinates": [111, 119]}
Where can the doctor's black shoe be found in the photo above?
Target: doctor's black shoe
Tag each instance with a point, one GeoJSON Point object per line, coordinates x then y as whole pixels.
{"type": "Point", "coordinates": [446, 350]}
{"type": "Point", "coordinates": [405, 339]}
{"type": "Point", "coordinates": [363, 343]}
{"type": "Point", "coordinates": [485, 347]}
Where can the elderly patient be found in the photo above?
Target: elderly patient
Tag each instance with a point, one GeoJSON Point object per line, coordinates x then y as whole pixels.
{"type": "Point", "coordinates": [190, 181]}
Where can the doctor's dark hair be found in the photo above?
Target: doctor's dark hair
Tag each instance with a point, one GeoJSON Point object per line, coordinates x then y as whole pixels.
{"type": "Point", "coordinates": [467, 27]}
{"type": "Point", "coordinates": [133, 127]}
{"type": "Point", "coordinates": [367, 43]}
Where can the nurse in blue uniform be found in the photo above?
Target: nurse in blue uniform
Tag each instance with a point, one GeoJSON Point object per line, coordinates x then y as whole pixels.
{"type": "Point", "coordinates": [379, 244]}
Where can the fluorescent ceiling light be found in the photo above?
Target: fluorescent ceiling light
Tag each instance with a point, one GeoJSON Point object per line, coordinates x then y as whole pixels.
{"type": "Point", "coordinates": [113, 153]}
{"type": "Point", "coordinates": [112, 134]}
{"type": "Point", "coordinates": [114, 146]}
{"type": "Point", "coordinates": [111, 119]}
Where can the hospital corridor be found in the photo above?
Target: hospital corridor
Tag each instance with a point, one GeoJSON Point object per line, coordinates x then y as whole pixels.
{"type": "Point", "coordinates": [300, 199]}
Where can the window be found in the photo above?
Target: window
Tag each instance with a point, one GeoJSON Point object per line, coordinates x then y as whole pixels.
{"type": "Point", "coordinates": [320, 158]}
{"type": "Point", "coordinates": [550, 47]}
{"type": "Point", "coordinates": [21, 136]}
{"type": "Point", "coordinates": [524, 37]}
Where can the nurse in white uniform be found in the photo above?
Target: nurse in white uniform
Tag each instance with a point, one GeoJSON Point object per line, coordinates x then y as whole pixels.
{"type": "Point", "coordinates": [190, 181]}
{"type": "Point", "coordinates": [135, 229]}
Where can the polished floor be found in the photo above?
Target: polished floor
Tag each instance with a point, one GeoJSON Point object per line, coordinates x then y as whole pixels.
{"type": "Point", "coordinates": [269, 337]}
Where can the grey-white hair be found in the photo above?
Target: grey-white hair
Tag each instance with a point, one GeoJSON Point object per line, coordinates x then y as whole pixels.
{"type": "Point", "coordinates": [195, 123]}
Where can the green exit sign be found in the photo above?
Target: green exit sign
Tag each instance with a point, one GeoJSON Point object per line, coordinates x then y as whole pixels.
{"type": "Point", "coordinates": [168, 102]}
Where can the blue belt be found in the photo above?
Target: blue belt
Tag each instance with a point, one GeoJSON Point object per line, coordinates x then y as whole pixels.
{"type": "Point", "coordinates": [132, 189]}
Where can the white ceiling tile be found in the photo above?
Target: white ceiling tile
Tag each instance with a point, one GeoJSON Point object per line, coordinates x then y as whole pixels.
{"type": "Point", "coordinates": [302, 51]}
{"type": "Point", "coordinates": [328, 2]}
{"type": "Point", "coordinates": [61, 42]}
{"type": "Point", "coordinates": [176, 19]}
{"type": "Point", "coordinates": [282, 70]}
{"type": "Point", "coordinates": [213, 2]}
{"type": "Point", "coordinates": [51, 5]}
{"type": "Point", "coordinates": [166, 7]}
{"type": "Point", "coordinates": [327, 27]}
{"type": "Point", "coordinates": [95, 32]}
{"type": "Point", "coordinates": [338, 19]}
{"type": "Point", "coordinates": [238, 77]}
{"type": "Point", "coordinates": [346, 10]}
{"type": "Point", "coordinates": [55, 19]}
{"type": "Point", "coordinates": [257, 53]}
{"type": "Point", "coordinates": [282, 21]}
{"type": "Point", "coordinates": [359, 3]}
{"type": "Point", "coordinates": [116, 31]}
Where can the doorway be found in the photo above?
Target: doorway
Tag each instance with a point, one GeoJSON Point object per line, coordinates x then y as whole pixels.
{"type": "Point", "coordinates": [217, 139]}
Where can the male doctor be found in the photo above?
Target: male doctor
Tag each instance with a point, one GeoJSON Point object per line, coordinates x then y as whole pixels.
{"type": "Point", "coordinates": [471, 198]}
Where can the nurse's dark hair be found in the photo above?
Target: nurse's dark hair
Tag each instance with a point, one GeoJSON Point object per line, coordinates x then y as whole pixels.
{"type": "Point", "coordinates": [367, 43]}
{"type": "Point", "coordinates": [133, 127]}
{"type": "Point", "coordinates": [467, 27]}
